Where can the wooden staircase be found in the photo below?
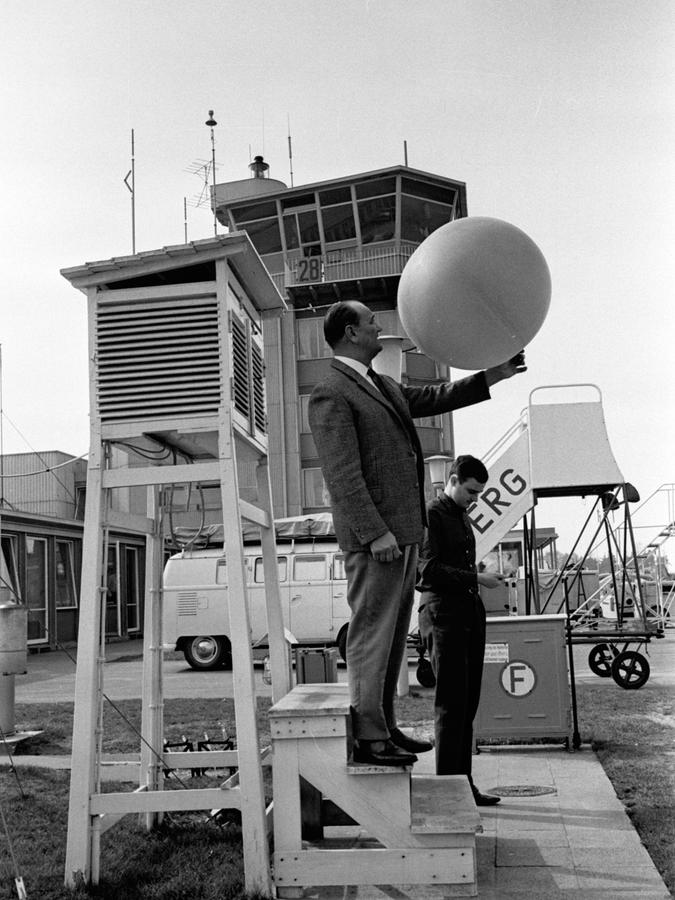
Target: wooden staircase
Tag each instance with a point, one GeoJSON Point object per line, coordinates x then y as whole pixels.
{"type": "Point", "coordinates": [421, 828]}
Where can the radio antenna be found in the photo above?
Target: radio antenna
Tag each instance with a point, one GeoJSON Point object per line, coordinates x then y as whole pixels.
{"type": "Point", "coordinates": [132, 190]}
{"type": "Point", "coordinates": [290, 150]}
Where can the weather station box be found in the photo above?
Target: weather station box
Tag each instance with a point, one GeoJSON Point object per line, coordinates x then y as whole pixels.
{"type": "Point", "coordinates": [316, 666]}
{"type": "Point", "coordinates": [526, 690]}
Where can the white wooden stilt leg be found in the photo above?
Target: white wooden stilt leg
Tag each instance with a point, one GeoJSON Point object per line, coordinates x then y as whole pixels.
{"type": "Point", "coordinates": [280, 650]}
{"type": "Point", "coordinates": [152, 724]}
{"type": "Point", "coordinates": [253, 818]}
{"type": "Point", "coordinates": [87, 696]}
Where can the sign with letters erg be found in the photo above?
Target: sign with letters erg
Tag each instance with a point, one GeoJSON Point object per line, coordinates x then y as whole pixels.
{"type": "Point", "coordinates": [506, 498]}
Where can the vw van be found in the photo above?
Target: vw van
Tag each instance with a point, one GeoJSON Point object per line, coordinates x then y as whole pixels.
{"type": "Point", "coordinates": [312, 586]}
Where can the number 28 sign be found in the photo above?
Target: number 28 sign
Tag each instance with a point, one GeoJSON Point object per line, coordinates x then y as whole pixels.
{"type": "Point", "coordinates": [310, 268]}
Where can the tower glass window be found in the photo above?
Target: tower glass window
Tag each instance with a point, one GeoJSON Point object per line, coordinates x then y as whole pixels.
{"type": "Point", "coordinates": [420, 217]}
{"type": "Point", "coordinates": [338, 223]}
{"type": "Point", "coordinates": [377, 218]}
{"type": "Point", "coordinates": [265, 235]}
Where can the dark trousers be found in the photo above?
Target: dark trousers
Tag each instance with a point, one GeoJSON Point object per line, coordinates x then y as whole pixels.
{"type": "Point", "coordinates": [454, 637]}
{"type": "Point", "coordinates": [380, 597]}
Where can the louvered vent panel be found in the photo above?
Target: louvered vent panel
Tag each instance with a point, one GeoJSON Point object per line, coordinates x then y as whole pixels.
{"type": "Point", "coordinates": [157, 358]}
{"type": "Point", "coordinates": [187, 603]}
{"type": "Point", "coordinates": [258, 387]}
{"type": "Point", "coordinates": [240, 367]}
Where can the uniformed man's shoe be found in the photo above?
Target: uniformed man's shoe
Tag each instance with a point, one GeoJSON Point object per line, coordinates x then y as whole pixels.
{"type": "Point", "coordinates": [410, 744]}
{"type": "Point", "coordinates": [382, 753]}
{"type": "Point", "coordinates": [484, 799]}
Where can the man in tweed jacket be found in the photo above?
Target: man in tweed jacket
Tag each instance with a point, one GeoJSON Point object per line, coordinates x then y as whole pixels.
{"type": "Point", "coordinates": [373, 466]}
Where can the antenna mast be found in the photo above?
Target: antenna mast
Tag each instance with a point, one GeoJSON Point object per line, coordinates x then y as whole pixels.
{"type": "Point", "coordinates": [132, 190]}
{"type": "Point", "coordinates": [211, 122]}
{"type": "Point", "coordinates": [290, 150]}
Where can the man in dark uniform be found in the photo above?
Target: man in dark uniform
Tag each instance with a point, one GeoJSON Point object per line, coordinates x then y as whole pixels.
{"type": "Point", "coordinates": [452, 618]}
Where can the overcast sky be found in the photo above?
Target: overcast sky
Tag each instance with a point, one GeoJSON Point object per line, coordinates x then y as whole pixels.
{"type": "Point", "coordinates": [558, 115]}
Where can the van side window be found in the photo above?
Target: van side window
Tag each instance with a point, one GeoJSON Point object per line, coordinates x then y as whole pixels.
{"type": "Point", "coordinates": [259, 572]}
{"type": "Point", "coordinates": [339, 567]}
{"type": "Point", "coordinates": [221, 571]}
{"type": "Point", "coordinates": [309, 568]}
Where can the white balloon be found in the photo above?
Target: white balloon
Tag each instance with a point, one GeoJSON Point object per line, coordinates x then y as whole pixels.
{"type": "Point", "coordinates": [474, 293]}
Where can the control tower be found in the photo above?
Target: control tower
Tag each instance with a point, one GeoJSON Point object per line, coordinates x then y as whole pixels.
{"type": "Point", "coordinates": [342, 239]}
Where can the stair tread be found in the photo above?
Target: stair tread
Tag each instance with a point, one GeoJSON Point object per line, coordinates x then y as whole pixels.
{"type": "Point", "coordinates": [442, 804]}
{"type": "Point", "coordinates": [355, 768]}
{"type": "Point", "coordinates": [309, 700]}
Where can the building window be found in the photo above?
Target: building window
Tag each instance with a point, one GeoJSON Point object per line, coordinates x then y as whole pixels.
{"type": "Point", "coordinates": [338, 223]}
{"type": "Point", "coordinates": [314, 488]}
{"type": "Point", "coordinates": [112, 599]}
{"type": "Point", "coordinates": [377, 218]}
{"type": "Point", "coordinates": [133, 585]}
{"type": "Point", "coordinates": [64, 582]}
{"type": "Point", "coordinates": [311, 342]}
{"type": "Point", "coordinates": [36, 588]}
{"type": "Point", "coordinates": [9, 578]}
{"type": "Point", "coordinates": [265, 235]}
{"type": "Point", "coordinates": [255, 211]}
{"type": "Point", "coordinates": [304, 414]}
{"type": "Point", "coordinates": [420, 217]}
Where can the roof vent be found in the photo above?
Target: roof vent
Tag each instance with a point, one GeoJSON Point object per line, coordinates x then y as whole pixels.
{"type": "Point", "coordinates": [259, 167]}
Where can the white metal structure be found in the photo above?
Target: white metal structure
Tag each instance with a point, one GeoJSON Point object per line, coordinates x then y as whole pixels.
{"type": "Point", "coordinates": [177, 397]}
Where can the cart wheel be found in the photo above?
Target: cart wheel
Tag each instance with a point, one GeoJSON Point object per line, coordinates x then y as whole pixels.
{"type": "Point", "coordinates": [600, 660]}
{"type": "Point", "coordinates": [425, 674]}
{"type": "Point", "coordinates": [630, 670]}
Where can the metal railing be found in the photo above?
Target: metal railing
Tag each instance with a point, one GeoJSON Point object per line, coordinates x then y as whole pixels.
{"type": "Point", "coordinates": [346, 265]}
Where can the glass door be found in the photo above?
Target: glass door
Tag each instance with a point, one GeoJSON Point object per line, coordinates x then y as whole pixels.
{"type": "Point", "coordinates": [112, 600]}
{"type": "Point", "coordinates": [36, 588]}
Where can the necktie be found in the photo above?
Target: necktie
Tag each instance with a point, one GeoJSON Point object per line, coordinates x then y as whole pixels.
{"type": "Point", "coordinates": [377, 381]}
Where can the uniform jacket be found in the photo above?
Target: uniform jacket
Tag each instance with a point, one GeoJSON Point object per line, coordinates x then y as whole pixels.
{"type": "Point", "coordinates": [447, 565]}
{"type": "Point", "coordinates": [370, 453]}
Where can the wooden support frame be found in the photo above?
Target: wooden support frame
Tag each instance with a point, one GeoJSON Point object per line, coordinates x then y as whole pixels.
{"type": "Point", "coordinates": [205, 445]}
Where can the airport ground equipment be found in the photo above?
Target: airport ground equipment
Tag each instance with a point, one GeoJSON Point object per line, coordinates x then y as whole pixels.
{"type": "Point", "coordinates": [177, 398]}
{"type": "Point", "coordinates": [526, 691]}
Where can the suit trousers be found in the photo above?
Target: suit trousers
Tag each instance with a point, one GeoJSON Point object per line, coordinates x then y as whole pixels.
{"type": "Point", "coordinates": [455, 641]}
{"type": "Point", "coordinates": [380, 596]}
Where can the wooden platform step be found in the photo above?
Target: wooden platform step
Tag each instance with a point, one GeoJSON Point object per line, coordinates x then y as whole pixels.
{"type": "Point", "coordinates": [442, 804]}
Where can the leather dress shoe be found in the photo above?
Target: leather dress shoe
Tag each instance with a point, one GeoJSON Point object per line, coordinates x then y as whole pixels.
{"type": "Point", "coordinates": [407, 743]}
{"type": "Point", "coordinates": [387, 754]}
{"type": "Point", "coordinates": [485, 799]}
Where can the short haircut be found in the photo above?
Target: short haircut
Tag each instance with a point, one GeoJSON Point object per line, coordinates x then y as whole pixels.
{"type": "Point", "coordinates": [466, 466]}
{"type": "Point", "coordinates": [337, 318]}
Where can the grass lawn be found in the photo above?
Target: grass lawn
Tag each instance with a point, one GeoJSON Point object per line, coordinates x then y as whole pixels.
{"type": "Point", "coordinates": [189, 857]}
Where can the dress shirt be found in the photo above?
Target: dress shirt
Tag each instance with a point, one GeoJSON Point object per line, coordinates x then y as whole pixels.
{"type": "Point", "coordinates": [361, 368]}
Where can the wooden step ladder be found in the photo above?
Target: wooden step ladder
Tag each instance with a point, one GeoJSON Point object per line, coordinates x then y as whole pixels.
{"type": "Point", "coordinates": [421, 828]}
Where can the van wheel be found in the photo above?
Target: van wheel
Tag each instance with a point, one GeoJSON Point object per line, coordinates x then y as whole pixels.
{"type": "Point", "coordinates": [341, 643]}
{"type": "Point", "coordinates": [206, 652]}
